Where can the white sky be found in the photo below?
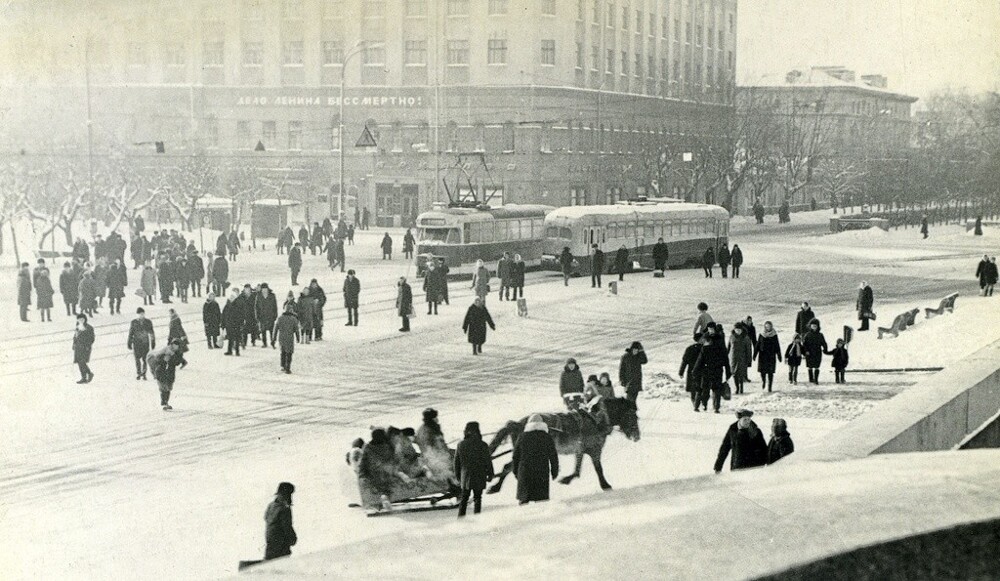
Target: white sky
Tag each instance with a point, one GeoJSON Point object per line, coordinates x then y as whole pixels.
{"type": "Point", "coordinates": [921, 45]}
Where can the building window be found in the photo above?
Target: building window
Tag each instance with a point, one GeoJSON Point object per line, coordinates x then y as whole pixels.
{"type": "Point", "coordinates": [580, 58]}
{"type": "Point", "coordinates": [625, 16]}
{"type": "Point", "coordinates": [677, 29]}
{"type": "Point", "coordinates": [596, 9]}
{"type": "Point", "coordinates": [373, 8]}
{"type": "Point", "coordinates": [652, 24]}
{"type": "Point", "coordinates": [508, 137]}
{"type": "Point", "coordinates": [677, 70]}
{"type": "Point", "coordinates": [497, 7]}
{"type": "Point", "coordinates": [423, 137]}
{"type": "Point", "coordinates": [335, 133]}
{"type": "Point", "coordinates": [664, 70]}
{"type": "Point", "coordinates": [722, 39]}
{"type": "Point", "coordinates": [732, 23]}
{"type": "Point", "coordinates": [373, 55]}
{"type": "Point", "coordinates": [415, 52]}
{"type": "Point", "coordinates": [687, 32]}
{"type": "Point", "coordinates": [549, 7]}
{"type": "Point", "coordinates": [496, 53]}
{"type": "Point", "coordinates": [291, 53]}
{"type": "Point", "coordinates": [136, 54]}
{"type": "Point", "coordinates": [638, 65]}
{"type": "Point", "coordinates": [638, 21]}
{"type": "Point", "coordinates": [173, 54]}
{"type": "Point", "coordinates": [458, 52]}
{"type": "Point", "coordinates": [651, 66]}
{"type": "Point", "coordinates": [213, 54]}
{"type": "Point", "coordinates": [480, 135]}
{"type": "Point", "coordinates": [610, 62]}
{"type": "Point", "coordinates": [269, 133]}
{"type": "Point", "coordinates": [581, 10]}
{"type": "Point", "coordinates": [624, 70]}
{"type": "Point", "coordinates": [578, 196]}
{"type": "Point", "coordinates": [451, 136]}
{"type": "Point", "coordinates": [610, 22]}
{"type": "Point", "coordinates": [416, 7]}
{"type": "Point", "coordinates": [710, 37]}
{"type": "Point", "coordinates": [595, 58]}
{"type": "Point", "coordinates": [710, 75]}
{"type": "Point", "coordinates": [333, 52]}
{"type": "Point", "coordinates": [294, 135]}
{"type": "Point", "coordinates": [730, 55]}
{"type": "Point", "coordinates": [212, 132]}
{"type": "Point", "coordinates": [664, 27]}
{"type": "Point", "coordinates": [549, 52]}
{"type": "Point", "coordinates": [699, 35]}
{"type": "Point", "coordinates": [252, 10]}
{"type": "Point", "coordinates": [544, 139]}
{"type": "Point", "coordinates": [243, 134]}
{"type": "Point", "coordinates": [292, 9]}
{"type": "Point", "coordinates": [458, 7]}
{"type": "Point", "coordinates": [253, 53]}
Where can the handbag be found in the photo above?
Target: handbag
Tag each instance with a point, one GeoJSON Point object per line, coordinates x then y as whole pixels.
{"type": "Point", "coordinates": [727, 392]}
{"type": "Point", "coordinates": [413, 313]}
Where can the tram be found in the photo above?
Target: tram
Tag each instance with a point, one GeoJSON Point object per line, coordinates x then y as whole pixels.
{"type": "Point", "coordinates": [688, 229]}
{"type": "Point", "coordinates": [463, 233]}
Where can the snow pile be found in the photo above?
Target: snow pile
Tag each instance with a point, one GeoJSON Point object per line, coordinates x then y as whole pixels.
{"type": "Point", "coordinates": [863, 235]}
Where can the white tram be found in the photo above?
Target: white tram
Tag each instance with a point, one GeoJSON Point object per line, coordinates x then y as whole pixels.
{"type": "Point", "coordinates": [688, 229]}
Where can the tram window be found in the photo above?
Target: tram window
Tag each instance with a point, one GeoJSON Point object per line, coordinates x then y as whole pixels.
{"type": "Point", "coordinates": [537, 227]}
{"type": "Point", "coordinates": [566, 233]}
{"type": "Point", "coordinates": [630, 231]}
{"type": "Point", "coordinates": [620, 231]}
{"type": "Point", "coordinates": [439, 234]}
{"type": "Point", "coordinates": [552, 232]}
{"type": "Point", "coordinates": [648, 231]}
{"type": "Point", "coordinates": [471, 233]}
{"type": "Point", "coordinates": [515, 229]}
{"type": "Point", "coordinates": [487, 233]}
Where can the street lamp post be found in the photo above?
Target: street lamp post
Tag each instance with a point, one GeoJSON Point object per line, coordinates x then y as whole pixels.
{"type": "Point", "coordinates": [360, 46]}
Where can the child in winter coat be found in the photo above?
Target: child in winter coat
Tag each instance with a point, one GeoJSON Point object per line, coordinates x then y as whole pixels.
{"type": "Point", "coordinates": [793, 358]}
{"type": "Point", "coordinates": [840, 360]}
{"type": "Point", "coordinates": [605, 387]}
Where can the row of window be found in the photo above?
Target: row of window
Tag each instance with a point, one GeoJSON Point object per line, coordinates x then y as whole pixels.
{"type": "Point", "coordinates": [647, 230]}
{"type": "Point", "coordinates": [504, 230]}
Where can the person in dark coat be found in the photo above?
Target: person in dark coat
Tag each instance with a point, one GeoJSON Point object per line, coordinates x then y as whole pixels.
{"type": "Point", "coordinates": [408, 242]}
{"type": "Point", "coordinates": [295, 262]}
{"type": "Point", "coordinates": [87, 290]}
{"type": "Point", "coordinates": [566, 264]}
{"type": "Point", "coordinates": [163, 364]}
{"type": "Point", "coordinates": [181, 277]}
{"type": "Point", "coordinates": [534, 459]}
{"type": "Point", "coordinates": [712, 362]}
{"type": "Point", "coordinates": [248, 326]}
{"type": "Point", "coordinates": [924, 229]}
{"type": "Point", "coordinates": [365, 218]}
{"type": "Point", "coordinates": [741, 353]}
{"type": "Point", "coordinates": [517, 267]}
{"type": "Point", "coordinates": [723, 259]}
{"type": "Point", "coordinates": [746, 443]}
{"type": "Point", "coordinates": [319, 297]}
{"type": "Point", "coordinates": [978, 228]}
{"type": "Point", "coordinates": [265, 311]}
{"type": "Point", "coordinates": [316, 241]}
{"type": "Point", "coordinates": [751, 330]}
{"type": "Point", "coordinates": [69, 288]}
{"type": "Point", "coordinates": [232, 322]}
{"type": "Point", "coordinates": [137, 251]}
{"type": "Point", "coordinates": [708, 261]}
{"type": "Point", "coordinates": [42, 280]}
{"type": "Point", "coordinates": [840, 360]}
{"type": "Point", "coordinates": [196, 271]}
{"type": "Point", "coordinates": [991, 276]}
{"type": "Point", "coordinates": [688, 360]}
{"type": "Point", "coordinates": [278, 533]}
{"type": "Point", "coordinates": [117, 279]}
{"type": "Point", "coordinates": [813, 348]}
{"type": "Point", "coordinates": [352, 292]}
{"type": "Point", "coordinates": [83, 342]}
{"type": "Point", "coordinates": [736, 258]}
{"type": "Point", "coordinates": [177, 336]}
{"type": "Point", "coordinates": [386, 247]}
{"type": "Point", "coordinates": [767, 354]}
{"type": "Point", "coordinates": [141, 340]}
{"type": "Point", "coordinates": [802, 319]}
{"type": "Point", "coordinates": [982, 273]}
{"type": "Point", "coordinates": [865, 303]}
{"type": "Point", "coordinates": [781, 444]}
{"type": "Point", "coordinates": [474, 325]}
{"type": "Point", "coordinates": [661, 253]}
{"type": "Point", "coordinates": [24, 290]}
{"type": "Point", "coordinates": [433, 287]}
{"type": "Point", "coordinates": [793, 358]}
{"type": "Point", "coordinates": [473, 467]}
{"type": "Point", "coordinates": [286, 329]}
{"type": "Point", "coordinates": [630, 370]}
{"type": "Point", "coordinates": [505, 274]}
{"type": "Point", "coordinates": [338, 253]}
{"type": "Point", "coordinates": [404, 303]}
{"type": "Point", "coordinates": [622, 262]}
{"type": "Point", "coordinates": [211, 318]}
{"type": "Point", "coordinates": [571, 384]}
{"type": "Point", "coordinates": [596, 267]}
{"type": "Point", "coordinates": [167, 277]}
{"type": "Point", "coordinates": [222, 244]}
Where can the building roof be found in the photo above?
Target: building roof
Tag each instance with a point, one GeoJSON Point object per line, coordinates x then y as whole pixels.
{"type": "Point", "coordinates": [645, 209]}
{"type": "Point", "coordinates": [821, 78]}
{"type": "Point", "coordinates": [213, 203]}
{"type": "Point", "coordinates": [274, 202]}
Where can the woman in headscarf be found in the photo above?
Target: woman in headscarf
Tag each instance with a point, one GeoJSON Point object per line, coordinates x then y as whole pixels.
{"type": "Point", "coordinates": [793, 359]}
{"type": "Point", "coordinates": [481, 281]}
{"type": "Point", "coordinates": [768, 354]}
{"type": "Point", "coordinates": [534, 459]}
{"type": "Point", "coordinates": [781, 443]}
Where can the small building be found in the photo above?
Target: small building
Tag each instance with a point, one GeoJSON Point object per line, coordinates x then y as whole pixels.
{"type": "Point", "coordinates": [269, 217]}
{"type": "Point", "coordinates": [213, 212]}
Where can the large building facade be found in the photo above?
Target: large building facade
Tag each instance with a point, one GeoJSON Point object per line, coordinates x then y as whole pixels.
{"type": "Point", "coordinates": [557, 101]}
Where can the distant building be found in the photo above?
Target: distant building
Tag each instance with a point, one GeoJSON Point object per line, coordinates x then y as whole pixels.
{"type": "Point", "coordinates": [834, 116]}
{"type": "Point", "coordinates": [564, 99]}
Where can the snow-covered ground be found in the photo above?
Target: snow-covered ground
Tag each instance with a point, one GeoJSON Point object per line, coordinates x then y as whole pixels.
{"type": "Point", "coordinates": [99, 482]}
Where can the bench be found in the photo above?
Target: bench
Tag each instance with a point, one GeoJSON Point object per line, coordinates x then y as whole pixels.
{"type": "Point", "coordinates": [947, 304]}
{"type": "Point", "coordinates": [898, 325]}
{"type": "Point", "coordinates": [911, 317]}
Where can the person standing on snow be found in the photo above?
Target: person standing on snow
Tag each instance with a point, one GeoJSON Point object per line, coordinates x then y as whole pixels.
{"type": "Point", "coordinates": [630, 370]}
{"type": "Point", "coordinates": [746, 443]}
{"type": "Point", "coordinates": [141, 340]}
{"type": "Point", "coordinates": [865, 302]}
{"type": "Point", "coordinates": [163, 364]}
{"type": "Point", "coordinates": [286, 329]}
{"type": "Point", "coordinates": [693, 384]}
{"type": "Point", "coordinates": [781, 444]}
{"type": "Point", "coordinates": [352, 292]}
{"type": "Point", "coordinates": [737, 260]}
{"type": "Point", "coordinates": [211, 318]}
{"type": "Point", "coordinates": [767, 354]}
{"type": "Point", "coordinates": [703, 320]}
{"type": "Point", "coordinates": [803, 318]}
{"type": "Point", "coordinates": [474, 325]}
{"type": "Point", "coordinates": [571, 385]}
{"type": "Point", "coordinates": [596, 266]}
{"type": "Point", "coordinates": [279, 534]}
{"type": "Point", "coordinates": [404, 303]}
{"type": "Point", "coordinates": [386, 246]}
{"type": "Point", "coordinates": [813, 348]}
{"type": "Point", "coordinates": [534, 458]}
{"type": "Point", "coordinates": [295, 262]}
{"type": "Point", "coordinates": [724, 258]}
{"type": "Point", "coordinates": [473, 468]}
{"type": "Point", "coordinates": [83, 342]}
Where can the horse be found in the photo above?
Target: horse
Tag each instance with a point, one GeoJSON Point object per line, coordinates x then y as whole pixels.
{"type": "Point", "coordinates": [575, 433]}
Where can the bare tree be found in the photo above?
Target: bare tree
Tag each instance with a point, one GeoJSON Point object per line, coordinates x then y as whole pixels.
{"type": "Point", "coordinates": [130, 192]}
{"type": "Point", "coordinates": [841, 180]}
{"type": "Point", "coordinates": [188, 183]}
{"type": "Point", "coordinates": [61, 197]}
{"type": "Point", "coordinates": [16, 184]}
{"type": "Point", "coordinates": [245, 185]}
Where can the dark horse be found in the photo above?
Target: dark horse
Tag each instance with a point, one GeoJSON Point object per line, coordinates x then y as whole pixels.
{"type": "Point", "coordinates": [576, 433]}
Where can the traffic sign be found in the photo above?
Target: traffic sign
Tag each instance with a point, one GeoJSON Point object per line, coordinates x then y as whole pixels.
{"type": "Point", "coordinates": [366, 139]}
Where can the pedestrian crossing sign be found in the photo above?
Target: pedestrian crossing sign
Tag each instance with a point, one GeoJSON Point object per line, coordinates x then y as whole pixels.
{"type": "Point", "coordinates": [366, 139]}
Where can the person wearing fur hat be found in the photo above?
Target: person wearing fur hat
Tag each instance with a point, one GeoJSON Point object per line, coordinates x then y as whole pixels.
{"type": "Point", "coordinates": [745, 442]}
{"type": "Point", "coordinates": [534, 459]}
{"type": "Point", "coordinates": [813, 348]}
{"type": "Point", "coordinates": [279, 533]}
{"type": "Point", "coordinates": [571, 385]}
{"type": "Point", "coordinates": [353, 456]}
{"type": "Point", "coordinates": [433, 446]}
{"type": "Point", "coordinates": [630, 370]}
{"type": "Point", "coordinates": [767, 353]}
{"type": "Point", "coordinates": [781, 443]}
{"type": "Point", "coordinates": [474, 468]}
